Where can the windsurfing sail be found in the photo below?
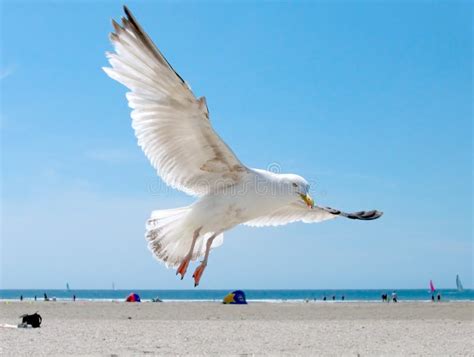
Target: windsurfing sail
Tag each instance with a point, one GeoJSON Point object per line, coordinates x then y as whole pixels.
{"type": "Point", "coordinates": [67, 287]}
{"type": "Point", "coordinates": [458, 283]}
{"type": "Point", "coordinates": [432, 288]}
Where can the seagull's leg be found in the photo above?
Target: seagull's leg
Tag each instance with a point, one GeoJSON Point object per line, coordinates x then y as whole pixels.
{"type": "Point", "coordinates": [184, 264]}
{"type": "Point", "coordinates": [200, 269]}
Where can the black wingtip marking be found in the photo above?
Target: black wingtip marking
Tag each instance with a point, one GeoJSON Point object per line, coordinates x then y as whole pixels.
{"type": "Point", "coordinates": [369, 215]}
{"type": "Point", "coordinates": [147, 41]}
{"type": "Point", "coordinates": [131, 18]}
{"type": "Point", "coordinates": [333, 211]}
{"type": "Point", "coordinates": [360, 215]}
{"type": "Point", "coordinates": [126, 10]}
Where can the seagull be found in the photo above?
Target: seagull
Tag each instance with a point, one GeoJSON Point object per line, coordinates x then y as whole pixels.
{"type": "Point", "coordinates": [174, 131]}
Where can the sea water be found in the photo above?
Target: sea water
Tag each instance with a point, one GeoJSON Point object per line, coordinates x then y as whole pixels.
{"type": "Point", "coordinates": [252, 295]}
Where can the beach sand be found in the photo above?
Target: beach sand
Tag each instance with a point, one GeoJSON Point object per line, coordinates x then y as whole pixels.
{"type": "Point", "coordinates": [198, 328]}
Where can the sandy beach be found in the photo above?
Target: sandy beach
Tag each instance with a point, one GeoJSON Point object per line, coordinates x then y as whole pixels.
{"type": "Point", "coordinates": [205, 328]}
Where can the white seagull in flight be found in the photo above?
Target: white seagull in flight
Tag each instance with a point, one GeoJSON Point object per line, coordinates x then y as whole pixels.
{"type": "Point", "coordinates": [175, 133]}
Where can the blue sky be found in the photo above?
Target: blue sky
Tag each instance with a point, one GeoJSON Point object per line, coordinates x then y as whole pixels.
{"type": "Point", "coordinates": [370, 101]}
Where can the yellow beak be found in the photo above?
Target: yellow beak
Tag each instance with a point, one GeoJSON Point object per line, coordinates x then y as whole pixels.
{"type": "Point", "coordinates": [308, 200]}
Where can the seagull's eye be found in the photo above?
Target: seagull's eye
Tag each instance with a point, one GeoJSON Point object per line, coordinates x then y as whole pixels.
{"type": "Point", "coordinates": [294, 185]}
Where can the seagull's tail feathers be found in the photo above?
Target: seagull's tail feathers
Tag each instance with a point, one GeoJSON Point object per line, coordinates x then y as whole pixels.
{"type": "Point", "coordinates": [169, 237]}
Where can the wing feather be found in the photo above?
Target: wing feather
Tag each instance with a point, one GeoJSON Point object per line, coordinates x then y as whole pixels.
{"type": "Point", "coordinates": [171, 125]}
{"type": "Point", "coordinates": [301, 213]}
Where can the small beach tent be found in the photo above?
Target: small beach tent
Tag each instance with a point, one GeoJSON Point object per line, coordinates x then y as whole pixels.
{"type": "Point", "coordinates": [133, 298]}
{"type": "Point", "coordinates": [235, 297]}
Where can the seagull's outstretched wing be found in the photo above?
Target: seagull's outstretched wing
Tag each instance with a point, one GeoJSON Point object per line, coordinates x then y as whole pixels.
{"type": "Point", "coordinates": [300, 213]}
{"type": "Point", "coordinates": [171, 125]}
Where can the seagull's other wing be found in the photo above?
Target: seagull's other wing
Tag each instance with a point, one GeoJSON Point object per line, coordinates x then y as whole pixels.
{"type": "Point", "coordinates": [171, 125]}
{"type": "Point", "coordinates": [300, 213]}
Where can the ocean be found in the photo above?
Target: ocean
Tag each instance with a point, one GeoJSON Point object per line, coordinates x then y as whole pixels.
{"type": "Point", "coordinates": [252, 295]}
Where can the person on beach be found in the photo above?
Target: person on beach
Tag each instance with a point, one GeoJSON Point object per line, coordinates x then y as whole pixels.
{"type": "Point", "coordinates": [394, 297]}
{"type": "Point", "coordinates": [334, 297]}
{"type": "Point", "coordinates": [342, 298]}
{"type": "Point", "coordinates": [35, 297]}
{"type": "Point", "coordinates": [46, 297]}
{"type": "Point", "coordinates": [21, 297]}
{"type": "Point", "coordinates": [439, 297]}
{"type": "Point", "coordinates": [74, 297]}
{"type": "Point", "coordinates": [324, 298]}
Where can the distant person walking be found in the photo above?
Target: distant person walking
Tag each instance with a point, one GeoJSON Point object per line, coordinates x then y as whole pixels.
{"type": "Point", "coordinates": [45, 297]}
{"type": "Point", "coordinates": [432, 298]}
{"type": "Point", "coordinates": [439, 297]}
{"type": "Point", "coordinates": [74, 297]}
{"type": "Point", "coordinates": [21, 297]}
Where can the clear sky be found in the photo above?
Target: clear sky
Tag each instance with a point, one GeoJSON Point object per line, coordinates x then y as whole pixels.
{"type": "Point", "coordinates": [371, 102]}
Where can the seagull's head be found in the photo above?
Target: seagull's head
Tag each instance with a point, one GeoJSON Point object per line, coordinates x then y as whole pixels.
{"type": "Point", "coordinates": [298, 188]}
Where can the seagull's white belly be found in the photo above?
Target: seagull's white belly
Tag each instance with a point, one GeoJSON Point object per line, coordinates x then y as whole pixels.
{"type": "Point", "coordinates": [220, 212]}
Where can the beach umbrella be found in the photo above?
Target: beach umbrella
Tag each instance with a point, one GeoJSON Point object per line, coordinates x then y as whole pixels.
{"type": "Point", "coordinates": [235, 297]}
{"type": "Point", "coordinates": [133, 298]}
